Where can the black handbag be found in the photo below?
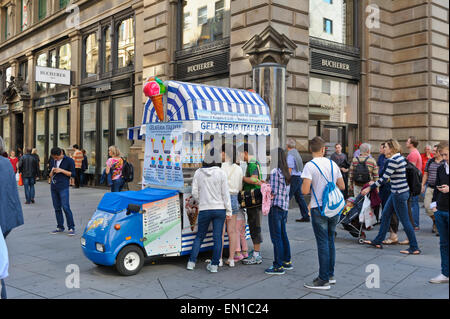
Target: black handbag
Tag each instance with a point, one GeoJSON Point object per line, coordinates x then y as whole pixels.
{"type": "Point", "coordinates": [250, 199]}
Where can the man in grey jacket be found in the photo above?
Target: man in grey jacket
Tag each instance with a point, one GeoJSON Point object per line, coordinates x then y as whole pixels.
{"type": "Point", "coordinates": [295, 164]}
{"type": "Point", "coordinates": [29, 167]}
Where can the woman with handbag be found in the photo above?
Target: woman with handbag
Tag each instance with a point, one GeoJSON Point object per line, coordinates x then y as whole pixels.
{"type": "Point", "coordinates": [115, 165]}
{"type": "Point", "coordinates": [210, 189]}
{"type": "Point", "coordinates": [280, 180]}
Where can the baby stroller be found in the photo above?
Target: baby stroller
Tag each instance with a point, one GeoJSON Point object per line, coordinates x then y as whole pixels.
{"type": "Point", "coordinates": [349, 219]}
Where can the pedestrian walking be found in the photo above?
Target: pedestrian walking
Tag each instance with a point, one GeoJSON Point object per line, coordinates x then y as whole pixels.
{"type": "Point", "coordinates": [11, 215]}
{"type": "Point", "coordinates": [363, 169]}
{"type": "Point", "coordinates": [35, 154]}
{"type": "Point", "coordinates": [29, 168]}
{"type": "Point", "coordinates": [280, 180]}
{"type": "Point", "coordinates": [114, 165]}
{"type": "Point", "coordinates": [397, 202]}
{"type": "Point", "coordinates": [426, 156]}
{"type": "Point", "coordinates": [341, 160]}
{"type": "Point", "coordinates": [210, 189]}
{"type": "Point", "coordinates": [61, 170]}
{"type": "Point", "coordinates": [316, 175]}
{"type": "Point", "coordinates": [78, 159]}
{"type": "Point", "coordinates": [415, 158]}
{"type": "Point", "coordinates": [234, 178]}
{"type": "Point", "coordinates": [440, 208]}
{"type": "Point", "coordinates": [295, 165]}
{"type": "Point", "coordinates": [429, 184]}
{"type": "Point", "coordinates": [4, 264]}
{"type": "Point", "coordinates": [252, 180]}
{"type": "Point", "coordinates": [13, 160]}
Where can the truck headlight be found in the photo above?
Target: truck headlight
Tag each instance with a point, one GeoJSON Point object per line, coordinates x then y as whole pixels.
{"type": "Point", "coordinates": [100, 247]}
{"type": "Point", "coordinates": [83, 241]}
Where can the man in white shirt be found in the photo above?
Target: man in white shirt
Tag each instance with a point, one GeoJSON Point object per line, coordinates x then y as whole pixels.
{"type": "Point", "coordinates": [324, 227]}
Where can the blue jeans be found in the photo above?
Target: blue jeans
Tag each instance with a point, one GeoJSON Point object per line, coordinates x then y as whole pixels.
{"type": "Point", "coordinates": [28, 186]}
{"type": "Point", "coordinates": [205, 217]}
{"type": "Point", "coordinates": [60, 200]}
{"type": "Point", "coordinates": [117, 185]}
{"type": "Point", "coordinates": [277, 227]}
{"type": "Point", "coordinates": [397, 203]}
{"type": "Point", "coordinates": [3, 290]}
{"type": "Point", "coordinates": [296, 191]}
{"type": "Point", "coordinates": [415, 210]}
{"type": "Point", "coordinates": [441, 219]}
{"type": "Point", "coordinates": [324, 229]}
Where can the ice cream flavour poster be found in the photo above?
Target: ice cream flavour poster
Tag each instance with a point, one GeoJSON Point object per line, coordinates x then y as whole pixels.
{"type": "Point", "coordinates": [163, 146]}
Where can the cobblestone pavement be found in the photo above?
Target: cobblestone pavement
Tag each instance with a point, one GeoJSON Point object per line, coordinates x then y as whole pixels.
{"type": "Point", "coordinates": [38, 262]}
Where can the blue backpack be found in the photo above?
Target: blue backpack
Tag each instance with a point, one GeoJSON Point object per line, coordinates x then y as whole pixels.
{"type": "Point", "coordinates": [333, 202]}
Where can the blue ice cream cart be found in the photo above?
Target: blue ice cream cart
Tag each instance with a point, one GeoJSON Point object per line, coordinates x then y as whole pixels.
{"type": "Point", "coordinates": [161, 219]}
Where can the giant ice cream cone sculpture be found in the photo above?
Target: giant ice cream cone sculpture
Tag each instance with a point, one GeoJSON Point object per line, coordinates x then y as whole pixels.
{"type": "Point", "coordinates": [154, 89]}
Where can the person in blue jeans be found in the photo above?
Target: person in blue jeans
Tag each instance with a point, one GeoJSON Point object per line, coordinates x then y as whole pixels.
{"type": "Point", "coordinates": [440, 206]}
{"type": "Point", "coordinates": [29, 168]}
{"type": "Point", "coordinates": [61, 170]}
{"type": "Point", "coordinates": [398, 200]}
{"type": "Point", "coordinates": [210, 189]}
{"type": "Point", "coordinates": [295, 165]}
{"type": "Point", "coordinates": [280, 179]}
{"type": "Point", "coordinates": [323, 227]}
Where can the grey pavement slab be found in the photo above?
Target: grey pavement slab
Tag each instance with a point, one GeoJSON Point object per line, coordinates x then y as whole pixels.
{"type": "Point", "coordinates": [38, 262]}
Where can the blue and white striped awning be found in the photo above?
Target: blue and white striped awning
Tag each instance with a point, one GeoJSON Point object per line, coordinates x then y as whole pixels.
{"type": "Point", "coordinates": [190, 101]}
{"type": "Point", "coordinates": [212, 109]}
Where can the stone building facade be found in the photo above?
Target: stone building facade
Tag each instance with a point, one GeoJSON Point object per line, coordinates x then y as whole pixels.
{"type": "Point", "coordinates": [355, 70]}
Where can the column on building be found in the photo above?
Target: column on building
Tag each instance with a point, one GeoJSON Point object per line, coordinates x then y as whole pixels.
{"type": "Point", "coordinates": [75, 47]}
{"type": "Point", "coordinates": [291, 19]}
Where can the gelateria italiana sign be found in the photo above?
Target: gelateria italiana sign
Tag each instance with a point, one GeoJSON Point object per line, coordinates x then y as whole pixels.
{"type": "Point", "coordinates": [52, 75]}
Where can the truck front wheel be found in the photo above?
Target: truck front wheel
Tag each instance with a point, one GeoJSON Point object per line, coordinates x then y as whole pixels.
{"type": "Point", "coordinates": [129, 260]}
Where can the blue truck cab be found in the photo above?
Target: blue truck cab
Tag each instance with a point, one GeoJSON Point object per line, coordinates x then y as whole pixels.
{"type": "Point", "coordinates": [114, 235]}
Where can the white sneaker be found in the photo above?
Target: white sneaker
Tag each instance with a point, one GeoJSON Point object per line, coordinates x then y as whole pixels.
{"type": "Point", "coordinates": [190, 265]}
{"type": "Point", "coordinates": [332, 281]}
{"type": "Point", "coordinates": [211, 268]}
{"type": "Point", "coordinates": [441, 279]}
{"type": "Point", "coordinates": [220, 262]}
{"type": "Point", "coordinates": [230, 262]}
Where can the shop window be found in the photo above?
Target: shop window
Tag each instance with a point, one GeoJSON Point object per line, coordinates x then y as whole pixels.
{"type": "Point", "coordinates": [63, 3]}
{"type": "Point", "coordinates": [327, 26]}
{"type": "Point", "coordinates": [63, 140]}
{"type": "Point", "coordinates": [6, 133]}
{"type": "Point", "coordinates": [40, 135]}
{"type": "Point", "coordinates": [333, 100]}
{"type": "Point", "coordinates": [23, 70]}
{"type": "Point", "coordinates": [42, 10]}
{"type": "Point", "coordinates": [51, 128]}
{"type": "Point", "coordinates": [65, 55]}
{"type": "Point", "coordinates": [123, 119]}
{"type": "Point", "coordinates": [8, 74]}
{"type": "Point", "coordinates": [41, 61]}
{"type": "Point", "coordinates": [211, 23]}
{"type": "Point", "coordinates": [107, 65]}
{"type": "Point", "coordinates": [125, 43]}
{"type": "Point", "coordinates": [91, 55]}
{"type": "Point", "coordinates": [333, 20]}
{"type": "Point", "coordinates": [89, 133]}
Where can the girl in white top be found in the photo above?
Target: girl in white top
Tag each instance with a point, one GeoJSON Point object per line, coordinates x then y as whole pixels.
{"type": "Point", "coordinates": [234, 177]}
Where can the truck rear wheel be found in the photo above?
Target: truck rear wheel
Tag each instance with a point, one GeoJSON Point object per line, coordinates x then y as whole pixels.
{"type": "Point", "coordinates": [129, 260]}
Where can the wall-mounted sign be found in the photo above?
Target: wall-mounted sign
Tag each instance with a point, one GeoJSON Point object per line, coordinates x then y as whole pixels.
{"type": "Point", "coordinates": [203, 66]}
{"type": "Point", "coordinates": [442, 80]}
{"type": "Point", "coordinates": [52, 75]}
{"type": "Point", "coordinates": [335, 65]}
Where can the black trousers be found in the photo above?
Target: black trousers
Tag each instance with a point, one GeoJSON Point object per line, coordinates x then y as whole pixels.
{"type": "Point", "coordinates": [77, 177]}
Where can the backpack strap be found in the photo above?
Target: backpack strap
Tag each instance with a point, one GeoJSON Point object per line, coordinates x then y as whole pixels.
{"type": "Point", "coordinates": [312, 188]}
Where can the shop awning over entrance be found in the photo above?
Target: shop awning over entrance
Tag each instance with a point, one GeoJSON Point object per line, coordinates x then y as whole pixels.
{"type": "Point", "coordinates": [212, 109]}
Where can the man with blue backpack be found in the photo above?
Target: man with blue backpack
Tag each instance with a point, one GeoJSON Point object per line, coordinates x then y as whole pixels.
{"type": "Point", "coordinates": [322, 177]}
